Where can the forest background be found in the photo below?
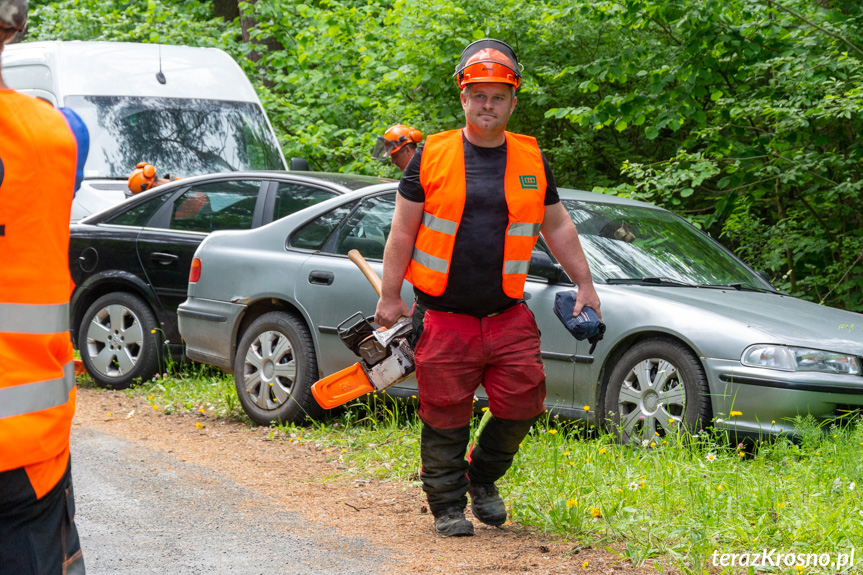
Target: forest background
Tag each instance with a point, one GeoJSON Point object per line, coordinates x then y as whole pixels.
{"type": "Point", "coordinates": [740, 115]}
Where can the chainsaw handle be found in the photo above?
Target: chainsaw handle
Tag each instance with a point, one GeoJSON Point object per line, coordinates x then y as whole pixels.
{"type": "Point", "coordinates": [356, 257]}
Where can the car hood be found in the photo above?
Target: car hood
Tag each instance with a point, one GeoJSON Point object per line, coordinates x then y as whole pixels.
{"type": "Point", "coordinates": [781, 319]}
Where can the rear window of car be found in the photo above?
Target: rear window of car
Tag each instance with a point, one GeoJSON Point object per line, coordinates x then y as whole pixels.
{"type": "Point", "coordinates": [314, 234]}
{"type": "Point", "coordinates": [228, 205]}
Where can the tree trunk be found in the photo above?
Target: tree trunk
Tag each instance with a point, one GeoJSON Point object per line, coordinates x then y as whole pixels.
{"type": "Point", "coordinates": [227, 9]}
{"type": "Point", "coordinates": [248, 22]}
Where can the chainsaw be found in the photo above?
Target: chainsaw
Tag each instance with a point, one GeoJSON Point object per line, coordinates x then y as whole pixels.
{"type": "Point", "coordinates": [386, 356]}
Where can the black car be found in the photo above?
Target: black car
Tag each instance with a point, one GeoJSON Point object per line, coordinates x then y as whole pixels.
{"type": "Point", "coordinates": [131, 262]}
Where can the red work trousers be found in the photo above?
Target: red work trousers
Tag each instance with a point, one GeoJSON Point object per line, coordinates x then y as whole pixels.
{"type": "Point", "coordinates": [457, 353]}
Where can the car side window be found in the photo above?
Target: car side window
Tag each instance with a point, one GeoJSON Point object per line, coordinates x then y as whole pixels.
{"type": "Point", "coordinates": [216, 206]}
{"type": "Point", "coordinates": [314, 234]}
{"type": "Point", "coordinates": [292, 197]}
{"type": "Point", "coordinates": [369, 227]}
{"type": "Point", "coordinates": [138, 215]}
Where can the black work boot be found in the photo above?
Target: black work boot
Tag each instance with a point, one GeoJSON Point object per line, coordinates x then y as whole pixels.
{"type": "Point", "coordinates": [452, 523]}
{"type": "Point", "coordinates": [487, 504]}
{"type": "Point", "coordinates": [444, 466]}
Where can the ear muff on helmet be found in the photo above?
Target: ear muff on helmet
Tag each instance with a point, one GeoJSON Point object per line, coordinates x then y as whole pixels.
{"type": "Point", "coordinates": [394, 139]}
{"type": "Point", "coordinates": [488, 60]}
{"type": "Point", "coordinates": [142, 178]}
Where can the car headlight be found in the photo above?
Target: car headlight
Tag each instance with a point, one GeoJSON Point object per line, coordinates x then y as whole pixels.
{"type": "Point", "coordinates": [800, 359]}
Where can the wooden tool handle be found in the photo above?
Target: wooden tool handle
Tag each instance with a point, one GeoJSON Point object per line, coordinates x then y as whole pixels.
{"type": "Point", "coordinates": [356, 257]}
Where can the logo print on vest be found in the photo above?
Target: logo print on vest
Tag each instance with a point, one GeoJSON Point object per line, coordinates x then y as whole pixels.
{"type": "Point", "coordinates": [528, 182]}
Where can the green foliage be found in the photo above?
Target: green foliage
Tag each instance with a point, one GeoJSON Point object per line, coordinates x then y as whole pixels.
{"type": "Point", "coordinates": [741, 115]}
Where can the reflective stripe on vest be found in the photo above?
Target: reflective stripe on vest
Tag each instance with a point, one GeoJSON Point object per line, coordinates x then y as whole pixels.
{"type": "Point", "coordinates": [442, 176]}
{"type": "Point", "coordinates": [34, 318]}
{"type": "Point", "coordinates": [37, 396]}
{"type": "Point", "coordinates": [439, 265]}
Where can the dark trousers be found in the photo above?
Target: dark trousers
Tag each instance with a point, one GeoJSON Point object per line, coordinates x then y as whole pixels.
{"type": "Point", "coordinates": [38, 536]}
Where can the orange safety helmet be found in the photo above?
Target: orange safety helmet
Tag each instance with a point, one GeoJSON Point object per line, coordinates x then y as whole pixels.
{"type": "Point", "coordinates": [142, 177]}
{"type": "Point", "coordinates": [488, 60]}
{"type": "Point", "coordinates": [394, 139]}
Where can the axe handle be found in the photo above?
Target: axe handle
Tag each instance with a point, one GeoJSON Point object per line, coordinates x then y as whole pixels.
{"type": "Point", "coordinates": [356, 257]}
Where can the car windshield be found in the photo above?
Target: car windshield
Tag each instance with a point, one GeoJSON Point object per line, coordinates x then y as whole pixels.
{"type": "Point", "coordinates": [181, 137]}
{"type": "Point", "coordinates": [633, 244]}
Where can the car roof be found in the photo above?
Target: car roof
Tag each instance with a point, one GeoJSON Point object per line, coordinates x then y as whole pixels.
{"type": "Point", "coordinates": [129, 69]}
{"type": "Point", "coordinates": [596, 198]}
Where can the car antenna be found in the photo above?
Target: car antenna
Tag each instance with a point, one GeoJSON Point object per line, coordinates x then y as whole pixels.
{"type": "Point", "coordinates": [159, 75]}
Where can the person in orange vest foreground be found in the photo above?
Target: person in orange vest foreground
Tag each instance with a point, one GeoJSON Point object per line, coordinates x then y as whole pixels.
{"type": "Point", "coordinates": [41, 152]}
{"type": "Point", "coordinates": [399, 143]}
{"type": "Point", "coordinates": [471, 205]}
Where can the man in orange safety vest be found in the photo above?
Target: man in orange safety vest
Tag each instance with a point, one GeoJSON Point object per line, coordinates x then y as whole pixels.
{"type": "Point", "coordinates": [471, 205]}
{"type": "Point", "coordinates": [41, 150]}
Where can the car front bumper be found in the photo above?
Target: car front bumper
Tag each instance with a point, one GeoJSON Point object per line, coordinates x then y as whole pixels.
{"type": "Point", "coordinates": [768, 400]}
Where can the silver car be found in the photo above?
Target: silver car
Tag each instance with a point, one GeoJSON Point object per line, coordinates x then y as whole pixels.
{"type": "Point", "coordinates": [694, 336]}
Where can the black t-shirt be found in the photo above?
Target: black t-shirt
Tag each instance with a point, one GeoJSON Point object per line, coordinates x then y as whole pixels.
{"type": "Point", "coordinates": [475, 283]}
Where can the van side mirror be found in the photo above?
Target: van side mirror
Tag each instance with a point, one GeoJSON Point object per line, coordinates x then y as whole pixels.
{"type": "Point", "coordinates": [299, 165]}
{"type": "Point", "coordinates": [542, 266]}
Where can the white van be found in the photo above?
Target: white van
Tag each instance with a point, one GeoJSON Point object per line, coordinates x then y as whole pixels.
{"type": "Point", "coordinates": [186, 110]}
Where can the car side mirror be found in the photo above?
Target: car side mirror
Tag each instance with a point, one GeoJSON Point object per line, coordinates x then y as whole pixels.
{"type": "Point", "coordinates": [542, 266]}
{"type": "Point", "coordinates": [299, 165]}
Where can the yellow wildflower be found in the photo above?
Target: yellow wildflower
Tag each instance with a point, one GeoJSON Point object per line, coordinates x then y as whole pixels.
{"type": "Point", "coordinates": [587, 408]}
{"type": "Point", "coordinates": [571, 503]}
{"type": "Point", "coordinates": [735, 413]}
{"type": "Point", "coordinates": [602, 451]}
{"type": "Point", "coordinates": [585, 564]}
{"type": "Point", "coordinates": [199, 425]}
{"type": "Point", "coordinates": [552, 431]}
{"type": "Point", "coordinates": [595, 512]}
{"type": "Point", "coordinates": [566, 453]}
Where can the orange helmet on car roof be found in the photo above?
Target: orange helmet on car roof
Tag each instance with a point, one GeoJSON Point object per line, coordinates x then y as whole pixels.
{"type": "Point", "coordinates": [142, 177]}
{"type": "Point", "coordinates": [394, 139]}
{"type": "Point", "coordinates": [488, 60]}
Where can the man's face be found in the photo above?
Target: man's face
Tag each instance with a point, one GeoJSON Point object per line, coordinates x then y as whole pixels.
{"type": "Point", "coordinates": [402, 157]}
{"type": "Point", "coordinates": [488, 105]}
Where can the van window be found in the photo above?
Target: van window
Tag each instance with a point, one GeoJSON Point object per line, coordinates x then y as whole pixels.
{"type": "Point", "coordinates": [34, 76]}
{"type": "Point", "coordinates": [181, 137]}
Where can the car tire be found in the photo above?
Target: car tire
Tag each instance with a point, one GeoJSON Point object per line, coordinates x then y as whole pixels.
{"type": "Point", "coordinates": [275, 368]}
{"type": "Point", "coordinates": [657, 386]}
{"type": "Point", "coordinates": [116, 340]}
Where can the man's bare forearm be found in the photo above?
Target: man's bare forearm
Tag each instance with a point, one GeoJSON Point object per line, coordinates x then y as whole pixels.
{"type": "Point", "coordinates": [562, 238]}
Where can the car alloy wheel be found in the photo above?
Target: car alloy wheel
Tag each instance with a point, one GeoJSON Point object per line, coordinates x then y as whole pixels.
{"type": "Point", "coordinates": [116, 341]}
{"type": "Point", "coordinates": [275, 368]}
{"type": "Point", "coordinates": [656, 387]}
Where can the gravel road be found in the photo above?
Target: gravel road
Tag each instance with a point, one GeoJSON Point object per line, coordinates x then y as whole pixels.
{"type": "Point", "coordinates": [185, 493]}
{"type": "Point", "coordinates": [140, 511]}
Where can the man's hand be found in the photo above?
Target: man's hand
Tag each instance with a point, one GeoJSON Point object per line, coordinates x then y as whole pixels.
{"type": "Point", "coordinates": [389, 310]}
{"type": "Point", "coordinates": [587, 296]}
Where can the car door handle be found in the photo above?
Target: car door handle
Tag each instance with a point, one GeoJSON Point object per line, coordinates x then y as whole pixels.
{"type": "Point", "coordinates": [321, 278]}
{"type": "Point", "coordinates": [163, 258]}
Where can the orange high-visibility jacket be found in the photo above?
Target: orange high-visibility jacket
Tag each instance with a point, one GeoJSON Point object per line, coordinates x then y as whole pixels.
{"type": "Point", "coordinates": [442, 176]}
{"type": "Point", "coordinates": [37, 376]}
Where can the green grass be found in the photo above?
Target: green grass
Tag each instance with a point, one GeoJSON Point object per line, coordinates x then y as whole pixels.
{"type": "Point", "coordinates": [676, 500]}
